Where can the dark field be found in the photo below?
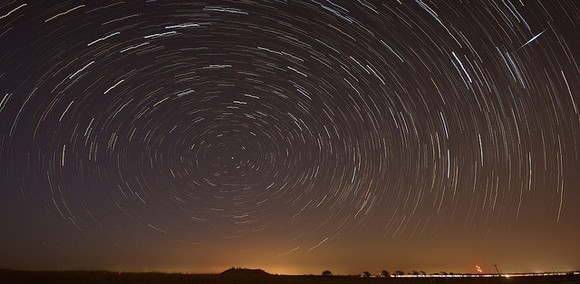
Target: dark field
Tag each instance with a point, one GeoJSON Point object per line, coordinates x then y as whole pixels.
{"type": "Point", "coordinates": [26, 277]}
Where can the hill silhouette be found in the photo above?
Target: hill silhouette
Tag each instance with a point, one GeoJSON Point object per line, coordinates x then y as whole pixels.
{"type": "Point", "coordinates": [244, 272]}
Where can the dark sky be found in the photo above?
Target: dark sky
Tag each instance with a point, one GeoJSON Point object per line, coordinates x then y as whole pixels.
{"type": "Point", "coordinates": [293, 136]}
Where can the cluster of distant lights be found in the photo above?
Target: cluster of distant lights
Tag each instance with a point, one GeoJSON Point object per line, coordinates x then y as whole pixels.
{"type": "Point", "coordinates": [506, 275]}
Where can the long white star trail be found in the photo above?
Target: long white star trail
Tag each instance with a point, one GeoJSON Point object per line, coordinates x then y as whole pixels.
{"type": "Point", "coordinates": [293, 136]}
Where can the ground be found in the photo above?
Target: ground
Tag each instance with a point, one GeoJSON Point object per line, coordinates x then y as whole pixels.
{"type": "Point", "coordinates": [246, 276]}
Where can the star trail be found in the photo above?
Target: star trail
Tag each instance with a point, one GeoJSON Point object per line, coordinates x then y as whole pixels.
{"type": "Point", "coordinates": [293, 136]}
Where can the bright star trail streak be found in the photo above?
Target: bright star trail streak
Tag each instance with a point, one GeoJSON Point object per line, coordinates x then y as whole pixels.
{"type": "Point", "coordinates": [293, 136]}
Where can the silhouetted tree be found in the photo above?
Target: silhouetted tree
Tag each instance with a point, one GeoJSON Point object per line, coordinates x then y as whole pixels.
{"type": "Point", "coordinates": [366, 274]}
{"type": "Point", "coordinates": [326, 273]}
{"type": "Point", "coordinates": [423, 272]}
{"type": "Point", "coordinates": [385, 273]}
{"type": "Point", "coordinates": [399, 272]}
{"type": "Point", "coordinates": [415, 272]}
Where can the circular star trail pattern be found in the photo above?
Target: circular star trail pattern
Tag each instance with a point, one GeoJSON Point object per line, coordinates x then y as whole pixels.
{"type": "Point", "coordinates": [303, 121]}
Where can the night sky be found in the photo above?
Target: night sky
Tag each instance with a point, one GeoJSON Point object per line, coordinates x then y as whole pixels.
{"type": "Point", "coordinates": [292, 136]}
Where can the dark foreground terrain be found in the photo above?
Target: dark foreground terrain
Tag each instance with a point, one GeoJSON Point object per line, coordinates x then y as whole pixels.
{"type": "Point", "coordinates": [250, 277]}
